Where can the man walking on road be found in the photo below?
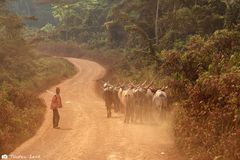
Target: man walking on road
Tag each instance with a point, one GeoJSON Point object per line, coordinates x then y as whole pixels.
{"type": "Point", "coordinates": [56, 103]}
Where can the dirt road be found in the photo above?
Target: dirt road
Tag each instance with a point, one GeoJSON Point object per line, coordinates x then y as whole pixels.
{"type": "Point", "coordinates": [86, 133]}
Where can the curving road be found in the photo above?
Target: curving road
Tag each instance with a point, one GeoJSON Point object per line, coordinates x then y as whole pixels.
{"type": "Point", "coordinates": [86, 133]}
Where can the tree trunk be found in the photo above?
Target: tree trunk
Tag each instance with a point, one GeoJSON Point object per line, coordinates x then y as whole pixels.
{"type": "Point", "coordinates": [156, 22]}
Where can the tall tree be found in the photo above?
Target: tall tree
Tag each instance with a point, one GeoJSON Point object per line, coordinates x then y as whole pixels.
{"type": "Point", "coordinates": [156, 22]}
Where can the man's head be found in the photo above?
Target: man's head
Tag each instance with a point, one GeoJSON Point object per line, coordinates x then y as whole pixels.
{"type": "Point", "coordinates": [57, 90]}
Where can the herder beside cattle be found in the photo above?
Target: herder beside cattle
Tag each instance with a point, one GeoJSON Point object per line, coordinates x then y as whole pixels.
{"type": "Point", "coordinates": [55, 105]}
{"type": "Point", "coordinates": [111, 98]}
{"type": "Point", "coordinates": [108, 97]}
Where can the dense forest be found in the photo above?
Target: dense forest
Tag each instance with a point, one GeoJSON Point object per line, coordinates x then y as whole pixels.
{"type": "Point", "coordinates": [193, 47]}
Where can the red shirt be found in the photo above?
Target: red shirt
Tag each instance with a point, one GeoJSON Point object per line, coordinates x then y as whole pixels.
{"type": "Point", "coordinates": [56, 102]}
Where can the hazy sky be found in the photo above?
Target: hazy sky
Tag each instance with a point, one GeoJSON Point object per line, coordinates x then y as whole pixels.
{"type": "Point", "coordinates": [41, 11]}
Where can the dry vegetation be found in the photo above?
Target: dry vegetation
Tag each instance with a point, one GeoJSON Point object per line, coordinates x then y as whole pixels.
{"type": "Point", "coordinates": [24, 73]}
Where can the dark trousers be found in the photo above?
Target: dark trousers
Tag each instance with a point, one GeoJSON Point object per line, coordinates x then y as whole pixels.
{"type": "Point", "coordinates": [56, 117]}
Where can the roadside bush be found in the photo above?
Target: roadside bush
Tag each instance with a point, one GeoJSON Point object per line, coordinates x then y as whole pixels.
{"type": "Point", "coordinates": [21, 111]}
{"type": "Point", "coordinates": [205, 79]}
{"type": "Point", "coordinates": [212, 118]}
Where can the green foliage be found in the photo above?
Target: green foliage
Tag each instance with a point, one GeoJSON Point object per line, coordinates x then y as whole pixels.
{"type": "Point", "coordinates": [232, 14]}
{"type": "Point", "coordinates": [176, 16]}
{"type": "Point", "coordinates": [82, 21]}
{"type": "Point", "coordinates": [48, 28]}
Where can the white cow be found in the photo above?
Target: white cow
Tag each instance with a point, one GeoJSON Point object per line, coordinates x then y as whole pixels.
{"type": "Point", "coordinates": [160, 103]}
{"type": "Point", "coordinates": [126, 96]}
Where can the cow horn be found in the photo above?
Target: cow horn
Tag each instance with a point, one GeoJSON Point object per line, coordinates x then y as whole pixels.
{"type": "Point", "coordinates": [138, 85]}
{"type": "Point", "coordinates": [151, 83]}
{"type": "Point", "coordinates": [144, 83]}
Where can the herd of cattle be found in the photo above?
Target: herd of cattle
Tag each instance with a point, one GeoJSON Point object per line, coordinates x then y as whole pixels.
{"type": "Point", "coordinates": [136, 102]}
